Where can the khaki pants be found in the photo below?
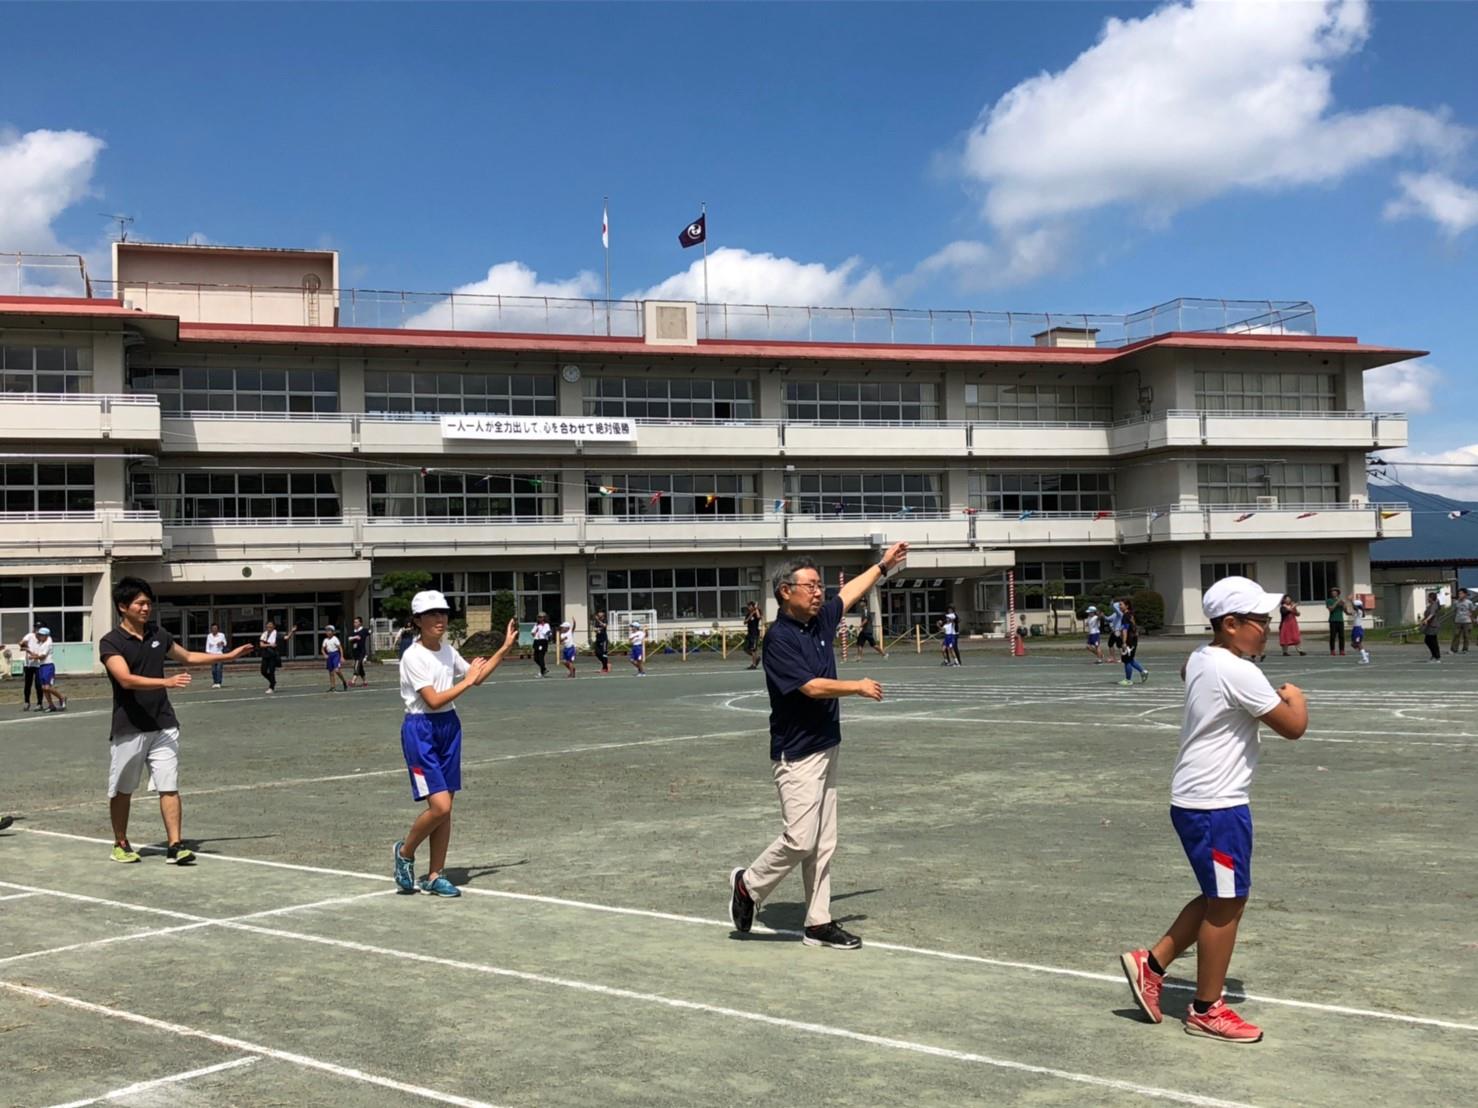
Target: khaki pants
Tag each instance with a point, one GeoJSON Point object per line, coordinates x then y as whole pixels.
{"type": "Point", "coordinates": [808, 807]}
{"type": "Point", "coordinates": [1460, 632]}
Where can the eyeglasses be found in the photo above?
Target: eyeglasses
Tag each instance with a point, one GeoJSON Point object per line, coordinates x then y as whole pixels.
{"type": "Point", "coordinates": [1261, 621]}
{"type": "Point", "coordinates": [809, 586]}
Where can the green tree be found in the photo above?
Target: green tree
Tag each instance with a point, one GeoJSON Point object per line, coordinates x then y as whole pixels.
{"type": "Point", "coordinates": [503, 609]}
{"type": "Point", "coordinates": [402, 586]}
{"type": "Point", "coordinates": [1149, 609]}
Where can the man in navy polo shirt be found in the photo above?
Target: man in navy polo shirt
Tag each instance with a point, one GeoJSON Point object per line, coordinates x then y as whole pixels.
{"type": "Point", "coordinates": [805, 734]}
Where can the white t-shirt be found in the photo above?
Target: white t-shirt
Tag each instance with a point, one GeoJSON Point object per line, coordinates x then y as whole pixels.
{"type": "Point", "coordinates": [42, 649]}
{"type": "Point", "coordinates": [331, 645]}
{"type": "Point", "coordinates": [215, 643]}
{"type": "Point", "coordinates": [542, 631]}
{"type": "Point", "coordinates": [1358, 619]}
{"type": "Point", "coordinates": [951, 624]}
{"type": "Point", "coordinates": [1224, 696]}
{"type": "Point", "coordinates": [269, 638]}
{"type": "Point", "coordinates": [1093, 623]}
{"type": "Point", "coordinates": [638, 637]}
{"type": "Point", "coordinates": [1462, 611]}
{"type": "Point", "coordinates": [420, 667]}
{"type": "Point", "coordinates": [28, 643]}
{"type": "Point", "coordinates": [567, 638]}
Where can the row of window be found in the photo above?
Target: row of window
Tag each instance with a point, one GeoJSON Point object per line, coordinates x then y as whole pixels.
{"type": "Point", "coordinates": [1290, 482]}
{"type": "Point", "coordinates": [193, 497]}
{"type": "Point", "coordinates": [1042, 492]}
{"type": "Point", "coordinates": [473, 591]}
{"type": "Point", "coordinates": [701, 593]}
{"type": "Point", "coordinates": [224, 389]}
{"type": "Point", "coordinates": [872, 401]}
{"type": "Point", "coordinates": [1218, 390]}
{"type": "Point", "coordinates": [668, 398]}
{"type": "Point", "coordinates": [404, 493]}
{"type": "Point", "coordinates": [1039, 403]}
{"type": "Point", "coordinates": [57, 603]}
{"type": "Point", "coordinates": [1305, 582]}
{"type": "Point", "coordinates": [46, 487]}
{"type": "Point", "coordinates": [430, 393]}
{"type": "Point", "coordinates": [53, 369]}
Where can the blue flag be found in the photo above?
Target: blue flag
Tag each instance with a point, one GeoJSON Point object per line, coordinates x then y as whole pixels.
{"type": "Point", "coordinates": [694, 232]}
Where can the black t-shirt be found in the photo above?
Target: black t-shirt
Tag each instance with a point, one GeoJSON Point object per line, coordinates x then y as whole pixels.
{"type": "Point", "coordinates": [600, 629]}
{"type": "Point", "coordinates": [866, 628]}
{"type": "Point", "coordinates": [794, 654]}
{"type": "Point", "coordinates": [136, 710]}
{"type": "Point", "coordinates": [359, 642]}
{"type": "Point", "coordinates": [752, 625]}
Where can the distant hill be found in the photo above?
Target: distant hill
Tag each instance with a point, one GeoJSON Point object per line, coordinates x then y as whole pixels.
{"type": "Point", "coordinates": [1433, 535]}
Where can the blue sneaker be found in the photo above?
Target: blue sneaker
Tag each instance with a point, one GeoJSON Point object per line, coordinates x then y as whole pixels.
{"type": "Point", "coordinates": [405, 870]}
{"type": "Point", "coordinates": [440, 887]}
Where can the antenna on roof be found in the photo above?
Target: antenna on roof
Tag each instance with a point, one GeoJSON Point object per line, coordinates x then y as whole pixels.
{"type": "Point", "coordinates": [122, 220]}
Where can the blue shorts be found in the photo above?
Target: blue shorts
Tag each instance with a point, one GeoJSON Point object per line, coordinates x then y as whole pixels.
{"type": "Point", "coordinates": [1357, 635]}
{"type": "Point", "coordinates": [636, 652]}
{"type": "Point", "coordinates": [333, 659]}
{"type": "Point", "coordinates": [1218, 843]}
{"type": "Point", "coordinates": [46, 673]}
{"type": "Point", "coordinates": [432, 745]}
{"type": "Point", "coordinates": [567, 654]}
{"type": "Point", "coordinates": [1093, 639]}
{"type": "Point", "coordinates": [950, 640]}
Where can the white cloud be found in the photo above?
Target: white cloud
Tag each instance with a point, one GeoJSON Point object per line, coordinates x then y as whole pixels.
{"type": "Point", "coordinates": [738, 276]}
{"type": "Point", "coordinates": [1187, 103]}
{"type": "Point", "coordinates": [199, 238]}
{"type": "Point", "coordinates": [1403, 387]}
{"type": "Point", "coordinates": [1450, 204]}
{"type": "Point", "coordinates": [1455, 477]}
{"type": "Point", "coordinates": [479, 305]}
{"type": "Point", "coordinates": [1017, 258]}
{"type": "Point", "coordinates": [42, 173]}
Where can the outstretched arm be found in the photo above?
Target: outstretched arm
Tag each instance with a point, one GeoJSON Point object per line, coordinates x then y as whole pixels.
{"type": "Point", "coordinates": [855, 589]}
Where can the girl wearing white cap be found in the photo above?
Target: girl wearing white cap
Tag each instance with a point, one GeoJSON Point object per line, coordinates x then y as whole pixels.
{"type": "Point", "coordinates": [567, 645]}
{"type": "Point", "coordinates": [541, 635]}
{"type": "Point", "coordinates": [333, 658]}
{"type": "Point", "coordinates": [638, 640]}
{"type": "Point", "coordinates": [1093, 622]}
{"type": "Point", "coordinates": [46, 673]}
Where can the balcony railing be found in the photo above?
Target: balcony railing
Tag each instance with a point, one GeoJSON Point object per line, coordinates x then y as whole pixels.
{"type": "Point", "coordinates": [74, 416]}
{"type": "Point", "coordinates": [84, 534]}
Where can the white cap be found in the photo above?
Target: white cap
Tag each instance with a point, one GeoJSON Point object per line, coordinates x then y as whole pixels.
{"type": "Point", "coordinates": [429, 601]}
{"type": "Point", "coordinates": [1091, 608]}
{"type": "Point", "coordinates": [43, 630]}
{"type": "Point", "coordinates": [330, 627]}
{"type": "Point", "coordinates": [636, 623]}
{"type": "Point", "coordinates": [1238, 596]}
{"type": "Point", "coordinates": [563, 625]}
{"type": "Point", "coordinates": [1360, 604]}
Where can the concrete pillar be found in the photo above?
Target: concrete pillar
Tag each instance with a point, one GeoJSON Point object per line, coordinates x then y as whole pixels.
{"type": "Point", "coordinates": [575, 584]}
{"type": "Point", "coordinates": [351, 385]}
{"type": "Point", "coordinates": [107, 363]}
{"type": "Point", "coordinates": [101, 619]}
{"type": "Point", "coordinates": [769, 396]}
{"type": "Point", "coordinates": [570, 398]}
{"type": "Point", "coordinates": [956, 490]}
{"type": "Point", "coordinates": [354, 491]}
{"type": "Point", "coordinates": [952, 397]}
{"type": "Point", "coordinates": [109, 478]}
{"type": "Point", "coordinates": [1176, 575]}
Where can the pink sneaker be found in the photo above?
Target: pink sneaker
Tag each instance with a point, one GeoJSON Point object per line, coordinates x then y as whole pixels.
{"type": "Point", "coordinates": [1144, 982]}
{"type": "Point", "coordinates": [1220, 1022]}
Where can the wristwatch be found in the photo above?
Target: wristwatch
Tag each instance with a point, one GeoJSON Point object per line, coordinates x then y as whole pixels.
{"type": "Point", "coordinates": [883, 569]}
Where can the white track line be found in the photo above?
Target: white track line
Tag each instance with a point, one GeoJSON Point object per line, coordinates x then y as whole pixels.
{"type": "Point", "coordinates": [17, 896]}
{"type": "Point", "coordinates": [172, 1079]}
{"type": "Point", "coordinates": [196, 921]}
{"type": "Point", "coordinates": [241, 1044]}
{"type": "Point", "coordinates": [616, 993]}
{"type": "Point", "coordinates": [672, 917]}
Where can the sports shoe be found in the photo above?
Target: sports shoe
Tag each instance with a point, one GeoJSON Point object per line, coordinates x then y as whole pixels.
{"type": "Point", "coordinates": [1126, 681]}
{"type": "Point", "coordinates": [1144, 676]}
{"type": "Point", "coordinates": [1144, 982]}
{"type": "Point", "coordinates": [440, 887]}
{"type": "Point", "coordinates": [216, 685]}
{"type": "Point", "coordinates": [6, 821]}
{"type": "Point", "coordinates": [741, 904]}
{"type": "Point", "coordinates": [831, 935]}
{"type": "Point", "coordinates": [271, 691]}
{"type": "Point", "coordinates": [405, 870]}
{"type": "Point", "coordinates": [179, 855]}
{"type": "Point", "coordinates": [125, 853]}
{"type": "Point", "coordinates": [1220, 1022]}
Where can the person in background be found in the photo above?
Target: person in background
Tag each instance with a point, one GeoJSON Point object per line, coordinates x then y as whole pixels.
{"type": "Point", "coordinates": [1115, 625]}
{"type": "Point", "coordinates": [1431, 621]}
{"type": "Point", "coordinates": [46, 671]}
{"type": "Point", "coordinates": [359, 648]}
{"type": "Point", "coordinates": [29, 666]}
{"type": "Point", "coordinates": [1338, 608]}
{"type": "Point", "coordinates": [542, 634]}
{"type": "Point", "coordinates": [1129, 644]}
{"type": "Point", "coordinates": [602, 640]}
{"type": "Point", "coordinates": [1289, 633]}
{"type": "Point", "coordinates": [638, 640]}
{"type": "Point", "coordinates": [567, 646]}
{"type": "Point", "coordinates": [407, 636]}
{"type": "Point", "coordinates": [333, 658]}
{"type": "Point", "coordinates": [1462, 621]}
{"type": "Point", "coordinates": [950, 625]}
{"type": "Point", "coordinates": [1357, 631]}
{"type": "Point", "coordinates": [866, 635]}
{"type": "Point", "coordinates": [215, 644]}
{"type": "Point", "coordinates": [752, 621]}
{"type": "Point", "coordinates": [1092, 621]}
{"type": "Point", "coordinates": [269, 643]}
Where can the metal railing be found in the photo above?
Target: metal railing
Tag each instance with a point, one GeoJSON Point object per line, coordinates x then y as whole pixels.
{"type": "Point", "coordinates": [106, 399]}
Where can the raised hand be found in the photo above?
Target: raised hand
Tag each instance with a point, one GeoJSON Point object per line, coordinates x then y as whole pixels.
{"type": "Point", "coordinates": [896, 555]}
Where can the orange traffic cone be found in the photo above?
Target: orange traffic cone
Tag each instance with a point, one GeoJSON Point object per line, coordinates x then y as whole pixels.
{"type": "Point", "coordinates": [1019, 650]}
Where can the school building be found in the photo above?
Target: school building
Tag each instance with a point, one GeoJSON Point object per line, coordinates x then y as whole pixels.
{"type": "Point", "coordinates": [236, 427]}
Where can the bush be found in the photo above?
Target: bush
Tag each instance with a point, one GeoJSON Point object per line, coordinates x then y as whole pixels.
{"type": "Point", "coordinates": [1149, 609]}
{"type": "Point", "coordinates": [402, 586]}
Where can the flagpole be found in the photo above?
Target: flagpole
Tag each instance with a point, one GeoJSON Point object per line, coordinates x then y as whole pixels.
{"type": "Point", "coordinates": [605, 211]}
{"type": "Point", "coordinates": [703, 212]}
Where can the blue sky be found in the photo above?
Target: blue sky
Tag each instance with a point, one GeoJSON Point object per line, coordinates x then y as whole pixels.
{"type": "Point", "coordinates": [996, 156]}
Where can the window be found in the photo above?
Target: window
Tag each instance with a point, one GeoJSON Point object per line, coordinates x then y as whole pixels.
{"type": "Point", "coordinates": [674, 398]}
{"type": "Point", "coordinates": [1265, 392]}
{"type": "Point", "coordinates": [1290, 482]}
{"type": "Point", "coordinates": [1039, 403]}
{"type": "Point", "coordinates": [682, 494]}
{"type": "Point", "coordinates": [1042, 492]}
{"type": "Point", "coordinates": [1036, 580]}
{"type": "Point", "coordinates": [53, 369]}
{"type": "Point", "coordinates": [46, 487]}
{"type": "Point", "coordinates": [1212, 572]}
{"type": "Point", "coordinates": [704, 593]}
{"type": "Point", "coordinates": [408, 493]}
{"type": "Point", "coordinates": [866, 401]}
{"type": "Point", "coordinates": [59, 603]}
{"type": "Point", "coordinates": [1311, 581]}
{"type": "Point", "coordinates": [870, 495]}
{"type": "Point", "coordinates": [183, 390]}
{"type": "Point", "coordinates": [387, 391]}
{"type": "Point", "coordinates": [184, 497]}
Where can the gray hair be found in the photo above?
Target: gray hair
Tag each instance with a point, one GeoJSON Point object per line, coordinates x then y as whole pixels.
{"type": "Point", "coordinates": [785, 575]}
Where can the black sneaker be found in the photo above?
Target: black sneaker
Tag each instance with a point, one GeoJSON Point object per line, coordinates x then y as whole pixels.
{"type": "Point", "coordinates": [829, 934]}
{"type": "Point", "coordinates": [6, 821]}
{"type": "Point", "coordinates": [741, 904]}
{"type": "Point", "coordinates": [179, 855]}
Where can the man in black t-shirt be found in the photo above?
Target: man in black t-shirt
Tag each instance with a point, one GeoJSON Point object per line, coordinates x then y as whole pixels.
{"type": "Point", "coordinates": [752, 620]}
{"type": "Point", "coordinates": [805, 735]}
{"type": "Point", "coordinates": [359, 643]}
{"type": "Point", "coordinates": [145, 732]}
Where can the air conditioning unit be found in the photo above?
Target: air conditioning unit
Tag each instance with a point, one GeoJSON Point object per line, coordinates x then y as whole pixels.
{"type": "Point", "coordinates": [1265, 502]}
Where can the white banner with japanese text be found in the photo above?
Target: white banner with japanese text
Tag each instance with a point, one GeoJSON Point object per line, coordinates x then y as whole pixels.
{"type": "Point", "coordinates": [546, 428]}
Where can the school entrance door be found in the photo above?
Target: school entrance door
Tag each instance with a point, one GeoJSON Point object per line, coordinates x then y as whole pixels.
{"type": "Point", "coordinates": [905, 606]}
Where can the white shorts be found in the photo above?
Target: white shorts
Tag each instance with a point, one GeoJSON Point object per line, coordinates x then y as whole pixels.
{"type": "Point", "coordinates": [159, 750]}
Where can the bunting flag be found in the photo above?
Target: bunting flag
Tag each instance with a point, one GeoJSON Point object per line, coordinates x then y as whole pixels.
{"type": "Point", "coordinates": [1306, 515]}
{"type": "Point", "coordinates": [536, 483]}
{"type": "Point", "coordinates": [605, 226]}
{"type": "Point", "coordinates": [780, 505]}
{"type": "Point", "coordinates": [972, 511]}
{"type": "Point", "coordinates": [656, 496]}
{"type": "Point", "coordinates": [1156, 515]}
{"type": "Point", "coordinates": [1388, 515]}
{"type": "Point", "coordinates": [1102, 515]}
{"type": "Point", "coordinates": [605, 490]}
{"type": "Point", "coordinates": [1244, 517]}
{"type": "Point", "coordinates": [708, 500]}
{"type": "Point", "coordinates": [1459, 514]}
{"type": "Point", "coordinates": [1024, 515]}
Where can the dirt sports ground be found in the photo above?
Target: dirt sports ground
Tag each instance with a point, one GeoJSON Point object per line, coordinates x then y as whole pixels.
{"type": "Point", "coordinates": [1004, 835]}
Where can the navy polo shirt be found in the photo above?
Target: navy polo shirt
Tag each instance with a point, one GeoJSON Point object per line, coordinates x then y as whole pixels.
{"type": "Point", "coordinates": [795, 653]}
